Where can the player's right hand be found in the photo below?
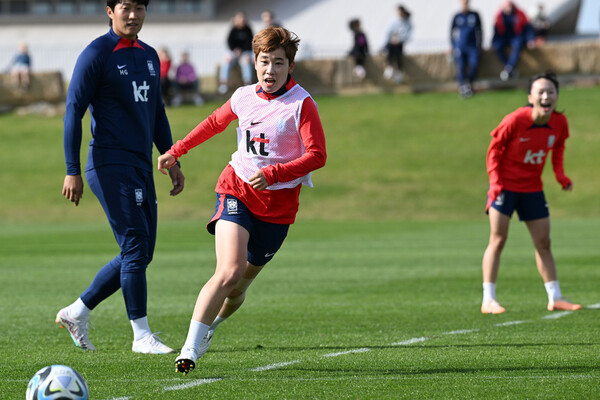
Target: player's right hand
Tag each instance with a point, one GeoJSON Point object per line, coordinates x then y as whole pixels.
{"type": "Point", "coordinates": [73, 188]}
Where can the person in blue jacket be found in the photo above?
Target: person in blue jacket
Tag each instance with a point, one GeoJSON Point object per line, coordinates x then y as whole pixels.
{"type": "Point", "coordinates": [466, 38]}
{"type": "Point", "coordinates": [117, 77]}
{"type": "Point", "coordinates": [512, 30]}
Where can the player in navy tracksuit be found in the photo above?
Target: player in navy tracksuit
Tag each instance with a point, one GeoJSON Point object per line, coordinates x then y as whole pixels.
{"type": "Point", "coordinates": [118, 78]}
{"type": "Point", "coordinates": [465, 36]}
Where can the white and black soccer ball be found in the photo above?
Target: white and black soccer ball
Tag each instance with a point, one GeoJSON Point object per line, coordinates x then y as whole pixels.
{"type": "Point", "coordinates": [57, 382]}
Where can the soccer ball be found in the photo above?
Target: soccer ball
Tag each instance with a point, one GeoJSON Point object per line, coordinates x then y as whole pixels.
{"type": "Point", "coordinates": [57, 382]}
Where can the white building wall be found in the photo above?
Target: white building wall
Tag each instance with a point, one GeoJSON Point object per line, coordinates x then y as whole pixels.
{"type": "Point", "coordinates": [322, 26]}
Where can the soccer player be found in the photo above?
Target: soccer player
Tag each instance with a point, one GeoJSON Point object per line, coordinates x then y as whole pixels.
{"type": "Point", "coordinates": [118, 77]}
{"type": "Point", "coordinates": [515, 160]}
{"type": "Point", "coordinates": [280, 141]}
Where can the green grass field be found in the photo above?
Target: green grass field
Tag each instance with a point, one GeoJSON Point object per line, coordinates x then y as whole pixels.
{"type": "Point", "coordinates": [375, 293]}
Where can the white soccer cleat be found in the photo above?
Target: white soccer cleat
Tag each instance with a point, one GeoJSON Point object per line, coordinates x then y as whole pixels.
{"type": "Point", "coordinates": [77, 327]}
{"type": "Point", "coordinates": [205, 344]}
{"type": "Point", "coordinates": [150, 344]}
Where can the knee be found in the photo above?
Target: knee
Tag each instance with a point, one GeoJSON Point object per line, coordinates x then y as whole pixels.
{"type": "Point", "coordinates": [542, 244]}
{"type": "Point", "coordinates": [227, 278]}
{"type": "Point", "coordinates": [497, 243]}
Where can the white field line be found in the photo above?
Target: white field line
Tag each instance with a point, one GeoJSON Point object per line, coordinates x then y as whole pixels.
{"type": "Point", "coordinates": [274, 366]}
{"type": "Point", "coordinates": [461, 331]}
{"type": "Point", "coordinates": [341, 353]}
{"type": "Point", "coordinates": [192, 384]}
{"type": "Point", "coordinates": [410, 341]}
{"type": "Point", "coordinates": [366, 349]}
{"type": "Point", "coordinates": [509, 323]}
{"type": "Point", "coordinates": [557, 315]}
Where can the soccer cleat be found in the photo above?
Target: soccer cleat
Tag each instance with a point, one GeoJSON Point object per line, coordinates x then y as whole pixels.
{"type": "Point", "coordinates": [492, 307]}
{"type": "Point", "coordinates": [77, 327]}
{"type": "Point", "coordinates": [563, 305]}
{"type": "Point", "coordinates": [150, 344]}
{"type": "Point", "coordinates": [205, 344]}
{"type": "Point", "coordinates": [186, 361]}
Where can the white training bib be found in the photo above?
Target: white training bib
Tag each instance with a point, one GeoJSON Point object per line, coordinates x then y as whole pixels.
{"type": "Point", "coordinates": [268, 132]}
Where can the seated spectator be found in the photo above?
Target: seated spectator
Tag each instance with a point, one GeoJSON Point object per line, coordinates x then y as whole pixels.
{"type": "Point", "coordinates": [21, 68]}
{"type": "Point", "coordinates": [511, 29]}
{"type": "Point", "coordinates": [186, 82]}
{"type": "Point", "coordinates": [541, 25]}
{"type": "Point", "coordinates": [466, 38]}
{"type": "Point", "coordinates": [165, 78]}
{"type": "Point", "coordinates": [240, 52]}
{"type": "Point", "coordinates": [396, 36]}
{"type": "Point", "coordinates": [360, 49]}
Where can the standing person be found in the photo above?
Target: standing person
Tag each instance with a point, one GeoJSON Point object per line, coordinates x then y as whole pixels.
{"type": "Point", "coordinates": [466, 39]}
{"type": "Point", "coordinates": [511, 30]}
{"type": "Point", "coordinates": [117, 76]}
{"type": "Point", "coordinates": [239, 42]}
{"type": "Point", "coordinates": [360, 48]}
{"type": "Point", "coordinates": [397, 34]}
{"type": "Point", "coordinates": [280, 141]}
{"type": "Point", "coordinates": [515, 160]}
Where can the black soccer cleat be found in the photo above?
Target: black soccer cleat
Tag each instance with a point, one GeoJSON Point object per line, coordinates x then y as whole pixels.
{"type": "Point", "coordinates": [184, 365]}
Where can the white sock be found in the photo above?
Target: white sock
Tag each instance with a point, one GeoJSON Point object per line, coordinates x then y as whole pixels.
{"type": "Point", "coordinates": [216, 322]}
{"type": "Point", "coordinates": [140, 328]}
{"type": "Point", "coordinates": [79, 309]}
{"type": "Point", "coordinates": [553, 290]}
{"type": "Point", "coordinates": [195, 334]}
{"type": "Point", "coordinates": [489, 291]}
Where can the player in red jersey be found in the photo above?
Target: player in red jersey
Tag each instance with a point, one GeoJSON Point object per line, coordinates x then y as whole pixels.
{"type": "Point", "coordinates": [280, 141]}
{"type": "Point", "coordinates": [515, 160]}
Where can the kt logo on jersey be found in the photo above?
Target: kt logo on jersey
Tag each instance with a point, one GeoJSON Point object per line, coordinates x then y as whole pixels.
{"type": "Point", "coordinates": [140, 93]}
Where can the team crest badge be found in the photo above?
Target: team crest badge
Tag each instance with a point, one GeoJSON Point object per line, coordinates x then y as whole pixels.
{"type": "Point", "coordinates": [139, 196]}
{"type": "Point", "coordinates": [551, 140]}
{"type": "Point", "coordinates": [151, 68]}
{"type": "Point", "coordinates": [232, 206]}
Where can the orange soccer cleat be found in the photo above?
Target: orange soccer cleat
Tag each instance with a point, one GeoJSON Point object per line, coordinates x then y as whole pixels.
{"type": "Point", "coordinates": [563, 305]}
{"type": "Point", "coordinates": [492, 307]}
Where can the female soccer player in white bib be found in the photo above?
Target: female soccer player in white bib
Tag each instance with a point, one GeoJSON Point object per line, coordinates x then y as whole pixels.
{"type": "Point", "coordinates": [280, 141]}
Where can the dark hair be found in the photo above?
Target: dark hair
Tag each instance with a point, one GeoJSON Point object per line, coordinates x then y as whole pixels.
{"type": "Point", "coordinates": [113, 3]}
{"type": "Point", "coordinates": [404, 11]}
{"type": "Point", "coordinates": [551, 76]}
{"type": "Point", "coordinates": [354, 24]}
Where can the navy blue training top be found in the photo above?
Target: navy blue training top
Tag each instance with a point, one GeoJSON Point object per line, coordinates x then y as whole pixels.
{"type": "Point", "coordinates": [465, 31]}
{"type": "Point", "coordinates": [119, 80]}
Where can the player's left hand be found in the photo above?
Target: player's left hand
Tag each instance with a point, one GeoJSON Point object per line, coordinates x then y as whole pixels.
{"type": "Point", "coordinates": [177, 178]}
{"type": "Point", "coordinates": [166, 161]}
{"type": "Point", "coordinates": [568, 187]}
{"type": "Point", "coordinates": [258, 181]}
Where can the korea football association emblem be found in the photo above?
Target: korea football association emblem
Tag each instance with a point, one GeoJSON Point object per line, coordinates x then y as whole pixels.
{"type": "Point", "coordinates": [232, 206]}
{"type": "Point", "coordinates": [151, 68]}
{"type": "Point", "coordinates": [139, 196]}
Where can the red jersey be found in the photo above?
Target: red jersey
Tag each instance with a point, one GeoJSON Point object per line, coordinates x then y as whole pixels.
{"type": "Point", "coordinates": [517, 154]}
{"type": "Point", "coordinates": [274, 206]}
